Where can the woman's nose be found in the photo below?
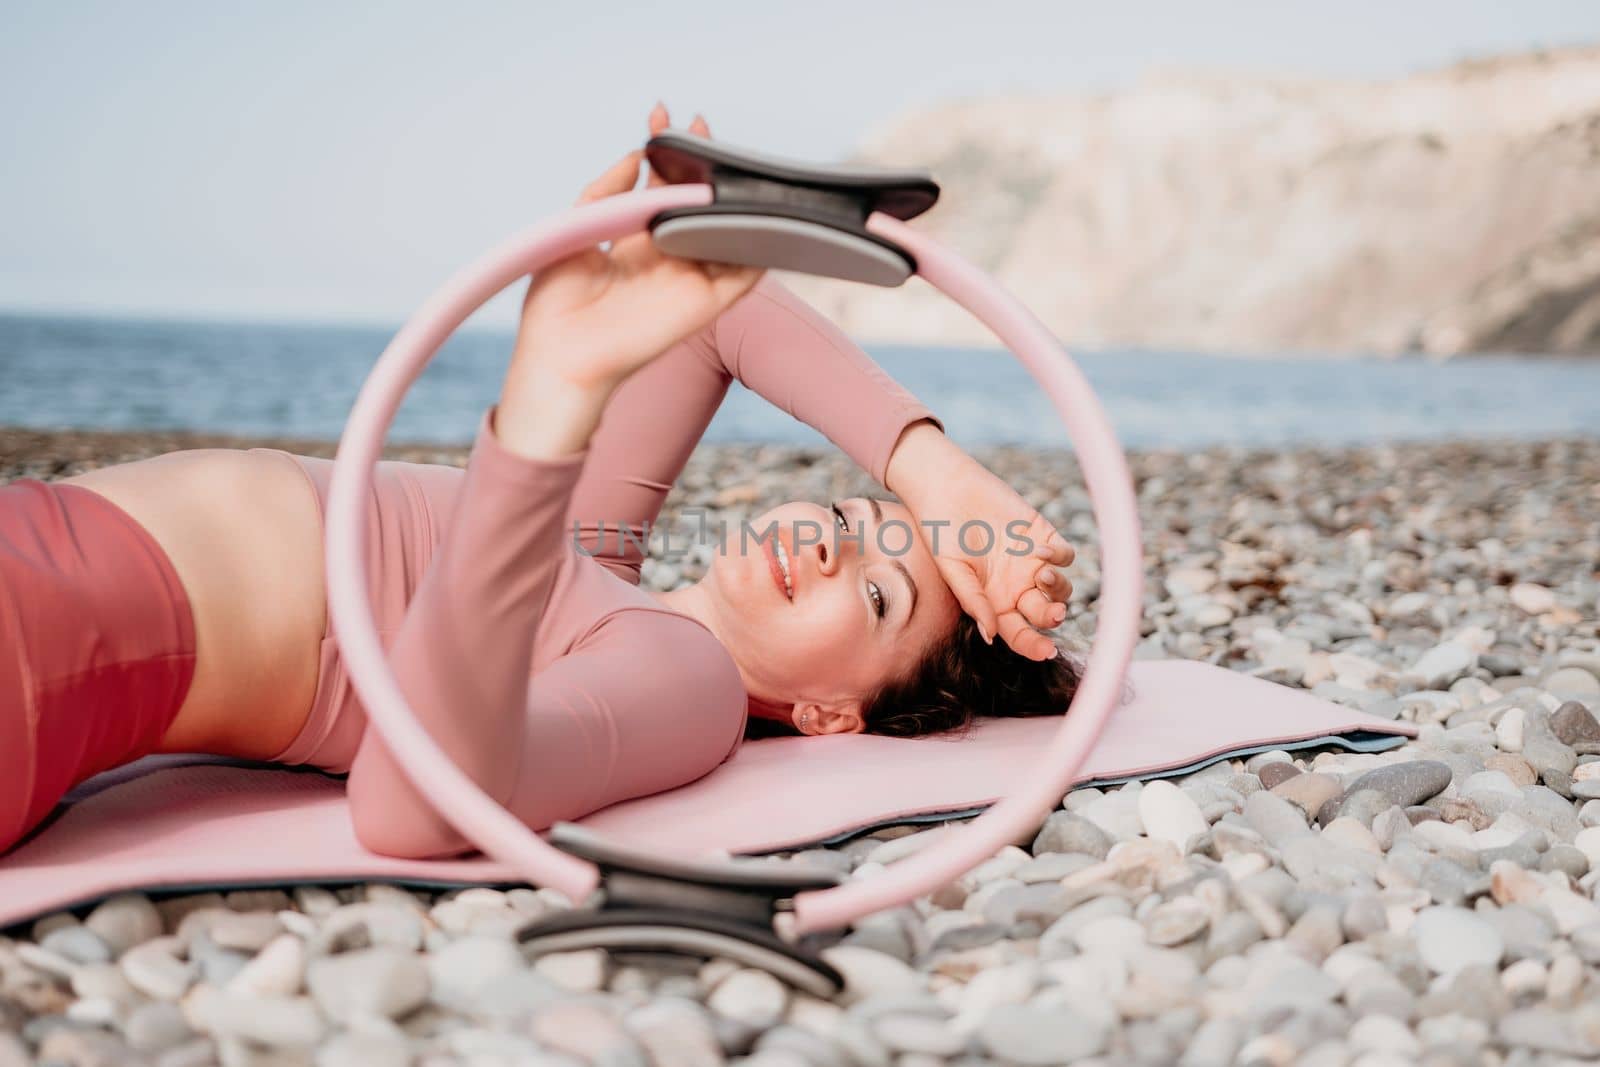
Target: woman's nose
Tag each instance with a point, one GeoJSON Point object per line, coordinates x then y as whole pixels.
{"type": "Point", "coordinates": [827, 557]}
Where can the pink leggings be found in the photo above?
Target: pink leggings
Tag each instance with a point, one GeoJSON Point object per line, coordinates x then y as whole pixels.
{"type": "Point", "coordinates": [97, 645]}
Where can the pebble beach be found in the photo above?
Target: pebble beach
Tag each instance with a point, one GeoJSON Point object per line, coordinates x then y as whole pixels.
{"type": "Point", "coordinates": [1432, 904]}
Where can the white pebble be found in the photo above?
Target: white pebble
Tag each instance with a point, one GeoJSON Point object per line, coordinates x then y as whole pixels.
{"type": "Point", "coordinates": [1588, 842]}
{"type": "Point", "coordinates": [1008, 984]}
{"type": "Point", "coordinates": [1573, 683]}
{"type": "Point", "coordinates": [154, 969]}
{"type": "Point", "coordinates": [1532, 599]}
{"type": "Point", "coordinates": [125, 921]}
{"type": "Point", "coordinates": [583, 971]}
{"type": "Point", "coordinates": [1170, 814]}
{"type": "Point", "coordinates": [1508, 733]}
{"type": "Point", "coordinates": [1440, 834]}
{"type": "Point", "coordinates": [273, 1021]}
{"type": "Point", "coordinates": [386, 982]}
{"type": "Point", "coordinates": [1449, 938]}
{"type": "Point", "coordinates": [1383, 1033]}
{"type": "Point", "coordinates": [1352, 834]}
{"type": "Point", "coordinates": [278, 970]}
{"type": "Point", "coordinates": [1443, 664]}
{"type": "Point", "coordinates": [1566, 979]}
{"type": "Point", "coordinates": [1116, 934]}
{"type": "Point", "coordinates": [869, 973]}
{"type": "Point", "coordinates": [753, 997]}
{"type": "Point", "coordinates": [1524, 978]}
{"type": "Point", "coordinates": [464, 969]}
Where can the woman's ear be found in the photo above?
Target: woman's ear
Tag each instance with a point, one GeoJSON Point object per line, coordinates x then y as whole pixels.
{"type": "Point", "coordinates": [838, 717]}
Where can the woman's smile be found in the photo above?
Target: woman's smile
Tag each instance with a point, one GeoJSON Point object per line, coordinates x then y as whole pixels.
{"type": "Point", "coordinates": [780, 563]}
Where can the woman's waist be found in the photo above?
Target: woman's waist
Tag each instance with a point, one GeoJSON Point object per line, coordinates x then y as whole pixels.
{"type": "Point", "coordinates": [406, 510]}
{"type": "Point", "coordinates": [407, 507]}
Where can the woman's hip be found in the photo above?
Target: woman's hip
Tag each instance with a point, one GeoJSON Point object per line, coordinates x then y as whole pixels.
{"type": "Point", "coordinates": [97, 644]}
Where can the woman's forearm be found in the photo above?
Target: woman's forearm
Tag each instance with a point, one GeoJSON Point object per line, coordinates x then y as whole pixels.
{"type": "Point", "coordinates": [544, 417]}
{"type": "Point", "coordinates": [792, 356]}
{"type": "Point", "coordinates": [920, 454]}
{"type": "Point", "coordinates": [781, 349]}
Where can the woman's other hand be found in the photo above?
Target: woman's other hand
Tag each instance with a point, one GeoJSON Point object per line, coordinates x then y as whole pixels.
{"type": "Point", "coordinates": [594, 318]}
{"type": "Point", "coordinates": [591, 320]}
{"type": "Point", "coordinates": [1003, 570]}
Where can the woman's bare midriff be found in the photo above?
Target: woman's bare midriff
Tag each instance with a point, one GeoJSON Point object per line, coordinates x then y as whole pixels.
{"type": "Point", "coordinates": [243, 532]}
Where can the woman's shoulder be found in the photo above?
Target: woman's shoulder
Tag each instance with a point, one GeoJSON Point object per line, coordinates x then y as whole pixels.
{"type": "Point", "coordinates": [678, 658]}
{"type": "Point", "coordinates": [667, 637]}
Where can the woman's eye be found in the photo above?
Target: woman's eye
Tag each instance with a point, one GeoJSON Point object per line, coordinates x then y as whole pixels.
{"type": "Point", "coordinates": [879, 601]}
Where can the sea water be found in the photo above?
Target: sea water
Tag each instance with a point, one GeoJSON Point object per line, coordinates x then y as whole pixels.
{"type": "Point", "coordinates": [85, 372]}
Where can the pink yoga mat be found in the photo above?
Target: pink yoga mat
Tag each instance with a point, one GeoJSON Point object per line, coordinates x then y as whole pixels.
{"type": "Point", "coordinates": [216, 825]}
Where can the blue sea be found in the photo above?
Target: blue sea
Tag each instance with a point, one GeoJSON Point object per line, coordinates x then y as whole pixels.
{"type": "Point", "coordinates": [60, 372]}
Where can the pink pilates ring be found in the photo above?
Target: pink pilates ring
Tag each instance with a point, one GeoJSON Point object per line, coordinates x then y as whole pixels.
{"type": "Point", "coordinates": [502, 835]}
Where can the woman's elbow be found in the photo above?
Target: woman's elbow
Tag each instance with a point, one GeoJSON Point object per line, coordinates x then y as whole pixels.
{"type": "Point", "coordinates": [385, 836]}
{"type": "Point", "coordinates": [388, 826]}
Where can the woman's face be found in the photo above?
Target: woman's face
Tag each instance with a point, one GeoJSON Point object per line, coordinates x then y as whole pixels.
{"type": "Point", "coordinates": [867, 601]}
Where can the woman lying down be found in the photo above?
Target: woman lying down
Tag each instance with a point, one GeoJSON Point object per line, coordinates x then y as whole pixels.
{"type": "Point", "coordinates": [177, 604]}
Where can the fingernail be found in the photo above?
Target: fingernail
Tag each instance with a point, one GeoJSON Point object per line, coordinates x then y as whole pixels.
{"type": "Point", "coordinates": [984, 631]}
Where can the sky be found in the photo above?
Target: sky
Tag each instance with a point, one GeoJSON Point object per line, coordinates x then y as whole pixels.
{"type": "Point", "coordinates": [335, 162]}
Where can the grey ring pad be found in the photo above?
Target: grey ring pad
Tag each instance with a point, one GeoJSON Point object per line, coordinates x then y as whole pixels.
{"type": "Point", "coordinates": [772, 212]}
{"type": "Point", "coordinates": [663, 932]}
{"type": "Point", "coordinates": [652, 905]}
{"type": "Point", "coordinates": [787, 244]}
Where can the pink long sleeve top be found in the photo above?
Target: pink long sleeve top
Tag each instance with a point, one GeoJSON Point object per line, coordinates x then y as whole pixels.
{"type": "Point", "coordinates": [557, 683]}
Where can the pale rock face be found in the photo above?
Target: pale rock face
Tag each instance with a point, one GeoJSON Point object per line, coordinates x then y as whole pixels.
{"type": "Point", "coordinates": [1450, 211]}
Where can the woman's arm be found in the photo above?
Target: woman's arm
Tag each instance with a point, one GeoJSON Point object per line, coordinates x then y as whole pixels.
{"type": "Point", "coordinates": [779, 347]}
{"type": "Point", "coordinates": [787, 351]}
{"type": "Point", "coordinates": [648, 701]}
{"type": "Point", "coordinates": [463, 652]}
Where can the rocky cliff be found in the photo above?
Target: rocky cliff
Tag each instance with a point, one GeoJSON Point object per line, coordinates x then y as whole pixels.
{"type": "Point", "coordinates": [1452, 211]}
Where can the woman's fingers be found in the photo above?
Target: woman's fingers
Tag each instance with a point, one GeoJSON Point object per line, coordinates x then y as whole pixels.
{"type": "Point", "coordinates": [659, 120]}
{"type": "Point", "coordinates": [618, 178]}
{"type": "Point", "coordinates": [1040, 611]}
{"type": "Point", "coordinates": [1024, 639]}
{"type": "Point", "coordinates": [968, 591]}
{"type": "Point", "coordinates": [1056, 549]}
{"type": "Point", "coordinates": [1056, 585]}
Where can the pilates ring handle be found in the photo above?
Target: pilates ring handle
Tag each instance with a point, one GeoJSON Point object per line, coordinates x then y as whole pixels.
{"type": "Point", "coordinates": [501, 834]}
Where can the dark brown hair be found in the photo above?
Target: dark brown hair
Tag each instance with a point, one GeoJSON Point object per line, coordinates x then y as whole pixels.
{"type": "Point", "coordinates": [961, 678]}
